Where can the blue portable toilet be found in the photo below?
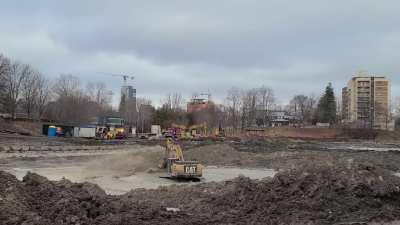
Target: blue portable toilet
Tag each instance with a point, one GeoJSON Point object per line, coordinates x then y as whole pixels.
{"type": "Point", "coordinates": [51, 131]}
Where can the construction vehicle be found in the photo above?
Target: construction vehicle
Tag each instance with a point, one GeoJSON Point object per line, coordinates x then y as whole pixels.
{"type": "Point", "coordinates": [189, 132]}
{"type": "Point", "coordinates": [177, 167]}
{"type": "Point", "coordinates": [198, 130]}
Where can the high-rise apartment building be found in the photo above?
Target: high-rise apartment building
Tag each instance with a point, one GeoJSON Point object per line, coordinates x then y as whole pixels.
{"type": "Point", "coordinates": [366, 101]}
{"type": "Point", "coordinates": [128, 108]}
{"type": "Point", "coordinates": [129, 92]}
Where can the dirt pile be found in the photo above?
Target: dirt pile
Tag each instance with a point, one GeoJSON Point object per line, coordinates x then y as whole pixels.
{"type": "Point", "coordinates": [262, 145]}
{"type": "Point", "coordinates": [220, 154]}
{"type": "Point", "coordinates": [311, 195]}
{"type": "Point", "coordinates": [13, 201]}
{"type": "Point", "coordinates": [126, 164]}
{"type": "Point", "coordinates": [22, 128]}
{"type": "Point", "coordinates": [323, 194]}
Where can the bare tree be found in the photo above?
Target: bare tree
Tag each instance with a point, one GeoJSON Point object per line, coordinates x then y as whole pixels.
{"type": "Point", "coordinates": [173, 101]}
{"type": "Point", "coordinates": [249, 99]}
{"type": "Point", "coordinates": [145, 114]}
{"type": "Point", "coordinates": [233, 104]}
{"type": "Point", "coordinates": [177, 101]}
{"type": "Point", "coordinates": [66, 85]}
{"type": "Point", "coordinates": [43, 94]}
{"type": "Point", "coordinates": [29, 91]}
{"type": "Point", "coordinates": [71, 104]}
{"type": "Point", "coordinates": [266, 98]}
{"type": "Point", "coordinates": [4, 65]}
{"type": "Point", "coordinates": [299, 106]}
{"type": "Point", "coordinates": [4, 69]}
{"type": "Point", "coordinates": [99, 94]}
{"type": "Point", "coordinates": [310, 108]}
{"type": "Point", "coordinates": [13, 80]}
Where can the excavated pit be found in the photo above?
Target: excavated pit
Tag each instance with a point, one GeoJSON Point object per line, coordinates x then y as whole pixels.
{"type": "Point", "coordinates": [117, 172]}
{"type": "Point", "coordinates": [315, 183]}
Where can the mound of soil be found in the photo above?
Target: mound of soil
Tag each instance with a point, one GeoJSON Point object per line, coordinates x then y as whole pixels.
{"type": "Point", "coordinates": [22, 128]}
{"type": "Point", "coordinates": [122, 165]}
{"type": "Point", "coordinates": [340, 194]}
{"type": "Point", "coordinates": [262, 145]}
{"type": "Point", "coordinates": [221, 154]}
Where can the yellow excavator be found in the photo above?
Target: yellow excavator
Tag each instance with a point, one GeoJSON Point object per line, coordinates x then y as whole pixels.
{"type": "Point", "coordinates": [177, 167]}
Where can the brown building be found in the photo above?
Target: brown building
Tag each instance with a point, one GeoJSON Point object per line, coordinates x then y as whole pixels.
{"type": "Point", "coordinates": [197, 104]}
{"type": "Point", "coordinates": [366, 101]}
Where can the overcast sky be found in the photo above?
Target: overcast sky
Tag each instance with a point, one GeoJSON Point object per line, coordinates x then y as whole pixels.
{"type": "Point", "coordinates": [294, 47]}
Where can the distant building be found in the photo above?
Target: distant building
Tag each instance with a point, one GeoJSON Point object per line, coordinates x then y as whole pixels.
{"type": "Point", "coordinates": [275, 118]}
{"type": "Point", "coordinates": [110, 121]}
{"type": "Point", "coordinates": [129, 93]}
{"type": "Point", "coordinates": [282, 118]}
{"type": "Point", "coordinates": [197, 104]}
{"type": "Point", "coordinates": [366, 101]}
{"type": "Point", "coordinates": [128, 108]}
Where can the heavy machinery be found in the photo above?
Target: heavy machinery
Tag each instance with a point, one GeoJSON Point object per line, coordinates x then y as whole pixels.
{"type": "Point", "coordinates": [177, 167]}
{"type": "Point", "coordinates": [189, 132]}
{"type": "Point", "coordinates": [198, 130]}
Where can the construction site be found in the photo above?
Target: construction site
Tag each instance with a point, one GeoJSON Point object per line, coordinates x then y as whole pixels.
{"type": "Point", "coordinates": [199, 165]}
{"type": "Point", "coordinates": [199, 112]}
{"type": "Point", "coordinates": [289, 176]}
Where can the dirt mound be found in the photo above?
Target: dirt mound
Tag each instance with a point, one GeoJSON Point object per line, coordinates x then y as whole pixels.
{"type": "Point", "coordinates": [220, 154]}
{"type": "Point", "coordinates": [304, 133]}
{"type": "Point", "coordinates": [126, 164]}
{"type": "Point", "coordinates": [311, 195]}
{"type": "Point", "coordinates": [324, 195]}
{"type": "Point", "coordinates": [13, 201]}
{"type": "Point", "coordinates": [262, 145]}
{"type": "Point", "coordinates": [22, 128]}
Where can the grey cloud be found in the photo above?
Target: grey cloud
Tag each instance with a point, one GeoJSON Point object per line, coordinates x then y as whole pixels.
{"type": "Point", "coordinates": [292, 46]}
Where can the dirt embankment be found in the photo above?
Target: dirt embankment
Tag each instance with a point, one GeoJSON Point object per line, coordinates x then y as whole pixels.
{"type": "Point", "coordinates": [312, 195]}
{"type": "Point", "coordinates": [221, 155]}
{"type": "Point", "coordinates": [293, 153]}
{"type": "Point", "coordinates": [126, 164]}
{"type": "Point", "coordinates": [20, 127]}
{"type": "Point", "coordinates": [291, 132]}
{"type": "Point", "coordinates": [287, 154]}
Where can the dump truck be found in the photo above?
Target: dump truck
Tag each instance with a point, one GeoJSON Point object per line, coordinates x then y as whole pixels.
{"type": "Point", "coordinates": [177, 167]}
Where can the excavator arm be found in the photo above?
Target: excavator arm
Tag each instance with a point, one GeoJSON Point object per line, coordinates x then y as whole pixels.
{"type": "Point", "coordinates": [174, 150]}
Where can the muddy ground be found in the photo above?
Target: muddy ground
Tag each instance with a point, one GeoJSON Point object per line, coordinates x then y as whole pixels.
{"type": "Point", "coordinates": [319, 182]}
{"type": "Point", "coordinates": [355, 194]}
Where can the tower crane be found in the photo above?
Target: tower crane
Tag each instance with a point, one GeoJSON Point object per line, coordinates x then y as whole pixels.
{"type": "Point", "coordinates": [124, 77]}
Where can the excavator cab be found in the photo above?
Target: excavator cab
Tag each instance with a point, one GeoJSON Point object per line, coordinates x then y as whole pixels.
{"type": "Point", "coordinates": [177, 167]}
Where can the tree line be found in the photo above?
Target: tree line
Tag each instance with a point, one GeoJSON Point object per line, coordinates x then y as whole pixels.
{"type": "Point", "coordinates": [244, 108]}
{"type": "Point", "coordinates": [66, 99]}
{"type": "Point", "coordinates": [25, 90]}
{"type": "Point", "coordinates": [254, 107]}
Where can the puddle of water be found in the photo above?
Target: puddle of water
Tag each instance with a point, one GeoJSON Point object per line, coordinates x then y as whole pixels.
{"type": "Point", "coordinates": [361, 146]}
{"type": "Point", "coordinates": [364, 149]}
{"type": "Point", "coordinates": [114, 185]}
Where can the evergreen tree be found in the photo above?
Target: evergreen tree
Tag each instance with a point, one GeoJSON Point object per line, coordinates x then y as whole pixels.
{"type": "Point", "coordinates": [327, 106]}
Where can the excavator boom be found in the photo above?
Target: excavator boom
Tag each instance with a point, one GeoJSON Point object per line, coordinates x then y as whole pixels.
{"type": "Point", "coordinates": [174, 149]}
